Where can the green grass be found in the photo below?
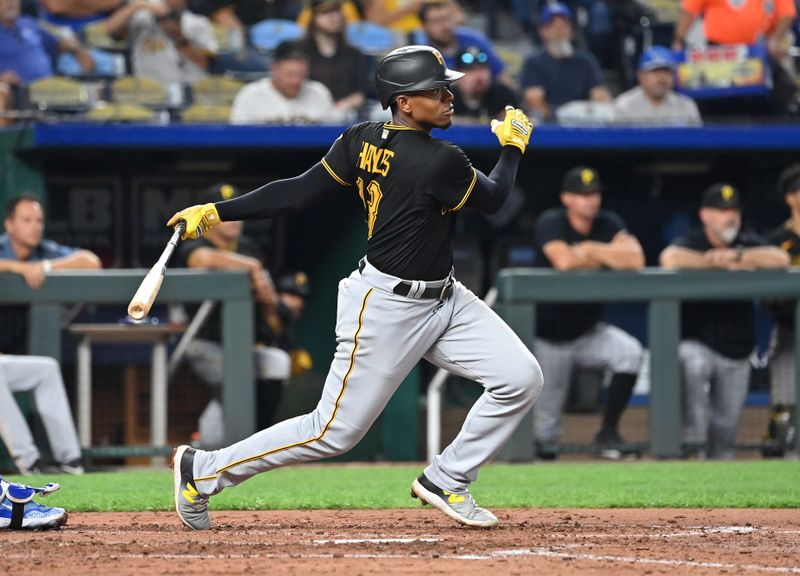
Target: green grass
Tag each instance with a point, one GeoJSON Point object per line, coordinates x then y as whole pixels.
{"type": "Point", "coordinates": [756, 484]}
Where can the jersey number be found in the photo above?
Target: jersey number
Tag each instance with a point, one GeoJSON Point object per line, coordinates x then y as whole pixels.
{"type": "Point", "coordinates": [371, 201]}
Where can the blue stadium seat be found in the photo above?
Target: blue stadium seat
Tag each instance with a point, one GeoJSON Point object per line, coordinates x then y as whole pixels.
{"type": "Point", "coordinates": [105, 64]}
{"type": "Point", "coordinates": [371, 38]}
{"type": "Point", "coordinates": [267, 34]}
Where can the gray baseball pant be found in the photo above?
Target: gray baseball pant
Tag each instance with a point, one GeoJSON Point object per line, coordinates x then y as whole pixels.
{"type": "Point", "coordinates": [41, 376]}
{"type": "Point", "coordinates": [604, 347]}
{"type": "Point", "coordinates": [782, 368]}
{"type": "Point", "coordinates": [380, 337]}
{"type": "Point", "coordinates": [205, 357]}
{"type": "Point", "coordinates": [714, 392]}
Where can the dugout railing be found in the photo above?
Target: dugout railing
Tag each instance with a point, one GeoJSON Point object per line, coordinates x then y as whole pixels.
{"type": "Point", "coordinates": [116, 287]}
{"type": "Point", "coordinates": [521, 289]}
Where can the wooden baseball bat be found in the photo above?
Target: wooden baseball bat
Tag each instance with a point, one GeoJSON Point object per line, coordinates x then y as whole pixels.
{"type": "Point", "coordinates": [143, 300]}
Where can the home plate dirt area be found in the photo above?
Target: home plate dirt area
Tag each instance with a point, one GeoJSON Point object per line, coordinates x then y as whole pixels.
{"type": "Point", "coordinates": [415, 541]}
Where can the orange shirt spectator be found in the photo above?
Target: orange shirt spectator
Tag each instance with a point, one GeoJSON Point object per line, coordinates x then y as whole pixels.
{"type": "Point", "coordinates": [725, 23]}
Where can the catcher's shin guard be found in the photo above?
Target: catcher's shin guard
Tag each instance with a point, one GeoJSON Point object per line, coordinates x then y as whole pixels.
{"type": "Point", "coordinates": [18, 511]}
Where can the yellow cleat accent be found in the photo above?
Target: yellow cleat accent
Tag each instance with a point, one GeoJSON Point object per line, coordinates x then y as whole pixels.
{"type": "Point", "coordinates": [453, 498]}
{"type": "Point", "coordinates": [190, 493]}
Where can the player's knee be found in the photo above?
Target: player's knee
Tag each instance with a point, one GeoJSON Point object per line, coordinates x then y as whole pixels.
{"type": "Point", "coordinates": [524, 381]}
{"type": "Point", "coordinates": [49, 366]}
{"type": "Point", "coordinates": [629, 356]}
{"type": "Point", "coordinates": [340, 438]}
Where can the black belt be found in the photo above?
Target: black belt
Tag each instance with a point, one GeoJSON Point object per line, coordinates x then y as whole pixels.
{"type": "Point", "coordinates": [403, 288]}
{"type": "Point", "coordinates": [431, 293]}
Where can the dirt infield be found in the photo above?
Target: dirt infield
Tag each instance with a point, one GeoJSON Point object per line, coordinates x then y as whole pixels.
{"type": "Point", "coordinates": [530, 541]}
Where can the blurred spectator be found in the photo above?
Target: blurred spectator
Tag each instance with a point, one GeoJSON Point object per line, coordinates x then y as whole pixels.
{"type": "Point", "coordinates": [717, 337]}
{"type": "Point", "coordinates": [23, 251]}
{"type": "Point", "coordinates": [236, 15]}
{"type": "Point", "coordinates": [440, 29]}
{"type": "Point", "coordinates": [225, 248]}
{"type": "Point", "coordinates": [342, 68]}
{"type": "Point", "coordinates": [478, 97]}
{"type": "Point", "coordinates": [740, 22]}
{"type": "Point", "coordinates": [28, 52]}
{"type": "Point", "coordinates": [400, 15]}
{"type": "Point", "coordinates": [781, 436]}
{"type": "Point", "coordinates": [653, 101]}
{"type": "Point", "coordinates": [287, 96]}
{"type": "Point", "coordinates": [748, 22]}
{"type": "Point", "coordinates": [168, 43]}
{"type": "Point", "coordinates": [559, 73]}
{"type": "Point", "coordinates": [76, 14]}
{"type": "Point", "coordinates": [293, 293]}
{"type": "Point", "coordinates": [42, 377]}
{"type": "Point", "coordinates": [581, 236]}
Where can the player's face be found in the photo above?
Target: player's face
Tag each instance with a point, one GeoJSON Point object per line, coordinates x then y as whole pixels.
{"type": "Point", "coordinates": [722, 224]}
{"type": "Point", "coordinates": [432, 108]}
{"type": "Point", "coordinates": [26, 225]}
{"type": "Point", "coordinates": [583, 205]}
{"type": "Point", "coordinates": [229, 231]}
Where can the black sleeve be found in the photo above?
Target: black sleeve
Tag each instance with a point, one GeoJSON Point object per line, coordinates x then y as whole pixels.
{"type": "Point", "coordinates": [687, 241]}
{"type": "Point", "coordinates": [613, 224]}
{"type": "Point", "coordinates": [752, 240]}
{"type": "Point", "coordinates": [491, 191]}
{"type": "Point", "coordinates": [281, 196]}
{"type": "Point", "coordinates": [293, 194]}
{"type": "Point", "coordinates": [449, 177]}
{"type": "Point", "coordinates": [549, 227]}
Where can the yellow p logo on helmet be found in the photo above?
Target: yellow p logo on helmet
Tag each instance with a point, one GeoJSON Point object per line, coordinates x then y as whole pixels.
{"type": "Point", "coordinates": [587, 176]}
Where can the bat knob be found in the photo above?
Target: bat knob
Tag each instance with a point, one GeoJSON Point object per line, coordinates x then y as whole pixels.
{"type": "Point", "coordinates": [136, 311]}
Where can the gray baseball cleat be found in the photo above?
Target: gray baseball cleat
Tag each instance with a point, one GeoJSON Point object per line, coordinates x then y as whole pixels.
{"type": "Point", "coordinates": [191, 506]}
{"type": "Point", "coordinates": [459, 506]}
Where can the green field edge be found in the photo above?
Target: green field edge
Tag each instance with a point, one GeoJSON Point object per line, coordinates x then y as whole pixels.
{"type": "Point", "coordinates": [751, 484]}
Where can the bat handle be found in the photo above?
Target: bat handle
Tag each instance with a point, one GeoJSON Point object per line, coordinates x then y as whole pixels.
{"type": "Point", "coordinates": [180, 227]}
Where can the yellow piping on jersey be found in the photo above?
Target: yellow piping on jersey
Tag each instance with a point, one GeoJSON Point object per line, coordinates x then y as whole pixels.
{"type": "Point", "coordinates": [333, 174]}
{"type": "Point", "coordinates": [466, 196]}
{"type": "Point", "coordinates": [330, 420]}
{"type": "Point", "coordinates": [399, 127]}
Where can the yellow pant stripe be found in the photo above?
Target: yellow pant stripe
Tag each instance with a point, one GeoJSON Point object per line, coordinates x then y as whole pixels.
{"type": "Point", "coordinates": [466, 196]}
{"type": "Point", "coordinates": [335, 407]}
{"type": "Point", "coordinates": [333, 174]}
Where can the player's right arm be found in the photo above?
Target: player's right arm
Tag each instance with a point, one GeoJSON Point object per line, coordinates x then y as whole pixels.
{"type": "Point", "coordinates": [276, 198]}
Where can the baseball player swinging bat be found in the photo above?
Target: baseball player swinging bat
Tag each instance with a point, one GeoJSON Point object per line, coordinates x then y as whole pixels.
{"type": "Point", "coordinates": [143, 300]}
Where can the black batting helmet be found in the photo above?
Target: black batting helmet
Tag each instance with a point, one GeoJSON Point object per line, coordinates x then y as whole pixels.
{"type": "Point", "coordinates": [411, 69]}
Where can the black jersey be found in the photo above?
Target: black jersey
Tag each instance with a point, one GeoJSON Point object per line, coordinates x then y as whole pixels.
{"type": "Point", "coordinates": [411, 185]}
{"type": "Point", "coordinates": [726, 326]}
{"type": "Point", "coordinates": [787, 240]}
{"type": "Point", "coordinates": [564, 322]}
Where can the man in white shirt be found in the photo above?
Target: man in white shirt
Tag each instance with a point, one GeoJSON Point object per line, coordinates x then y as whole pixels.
{"type": "Point", "coordinates": [168, 43]}
{"type": "Point", "coordinates": [287, 96]}
{"type": "Point", "coordinates": [653, 102]}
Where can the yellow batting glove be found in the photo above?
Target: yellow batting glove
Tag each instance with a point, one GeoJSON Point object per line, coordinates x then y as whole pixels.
{"type": "Point", "coordinates": [199, 218]}
{"type": "Point", "coordinates": [514, 130]}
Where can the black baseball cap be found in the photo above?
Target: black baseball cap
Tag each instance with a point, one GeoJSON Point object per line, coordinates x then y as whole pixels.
{"type": "Point", "coordinates": [294, 283]}
{"type": "Point", "coordinates": [219, 192]}
{"type": "Point", "coordinates": [581, 180]}
{"type": "Point", "coordinates": [721, 196]}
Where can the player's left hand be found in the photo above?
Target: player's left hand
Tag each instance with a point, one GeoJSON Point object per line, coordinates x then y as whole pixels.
{"type": "Point", "coordinates": [514, 130]}
{"type": "Point", "coordinates": [199, 218]}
